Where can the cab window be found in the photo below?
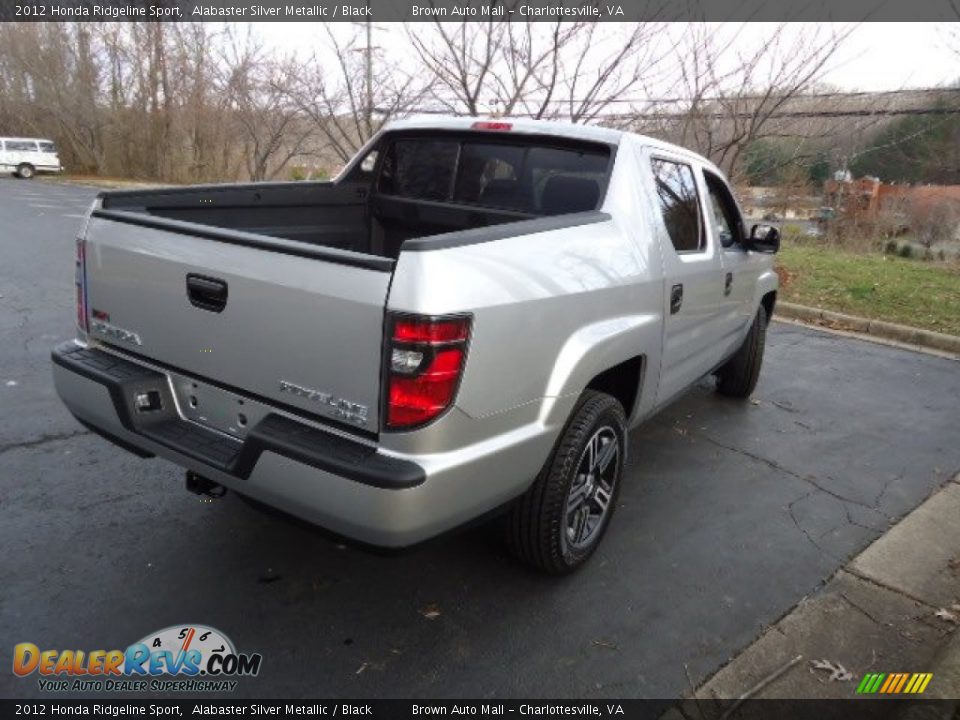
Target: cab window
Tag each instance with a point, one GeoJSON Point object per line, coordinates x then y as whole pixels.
{"type": "Point", "coordinates": [724, 216]}
{"type": "Point", "coordinates": [679, 205]}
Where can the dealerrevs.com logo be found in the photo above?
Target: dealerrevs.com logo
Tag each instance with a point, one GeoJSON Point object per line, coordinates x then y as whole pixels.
{"type": "Point", "coordinates": [185, 658]}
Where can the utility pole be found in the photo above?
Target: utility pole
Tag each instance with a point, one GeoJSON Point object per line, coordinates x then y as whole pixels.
{"type": "Point", "coordinates": [367, 51]}
{"type": "Point", "coordinates": [369, 70]}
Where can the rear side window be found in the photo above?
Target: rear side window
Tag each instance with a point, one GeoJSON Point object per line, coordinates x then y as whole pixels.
{"type": "Point", "coordinates": [679, 204]}
{"type": "Point", "coordinates": [47, 147]}
{"type": "Point", "coordinates": [526, 178]}
{"type": "Point", "coordinates": [21, 145]}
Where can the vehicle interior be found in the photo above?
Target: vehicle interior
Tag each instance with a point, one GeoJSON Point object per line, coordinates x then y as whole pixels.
{"type": "Point", "coordinates": [408, 186]}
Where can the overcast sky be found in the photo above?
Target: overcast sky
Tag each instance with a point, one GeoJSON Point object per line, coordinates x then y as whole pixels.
{"type": "Point", "coordinates": [877, 56]}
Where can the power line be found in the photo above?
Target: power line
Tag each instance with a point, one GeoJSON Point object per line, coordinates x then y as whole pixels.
{"type": "Point", "coordinates": [739, 115]}
{"type": "Point", "coordinates": [810, 114]}
{"type": "Point", "coordinates": [792, 99]}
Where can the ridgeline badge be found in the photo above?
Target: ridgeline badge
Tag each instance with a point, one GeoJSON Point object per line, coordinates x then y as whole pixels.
{"type": "Point", "coordinates": [201, 658]}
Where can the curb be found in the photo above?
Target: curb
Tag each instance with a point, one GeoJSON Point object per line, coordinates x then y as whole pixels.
{"type": "Point", "coordinates": [877, 328]}
{"type": "Point", "coordinates": [876, 610]}
{"type": "Point", "coordinates": [947, 665]}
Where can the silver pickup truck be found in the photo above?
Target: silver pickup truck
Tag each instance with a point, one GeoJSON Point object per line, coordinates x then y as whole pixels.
{"type": "Point", "coordinates": [466, 322]}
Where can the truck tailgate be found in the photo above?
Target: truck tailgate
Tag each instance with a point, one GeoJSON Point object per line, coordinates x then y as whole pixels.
{"type": "Point", "coordinates": [294, 327]}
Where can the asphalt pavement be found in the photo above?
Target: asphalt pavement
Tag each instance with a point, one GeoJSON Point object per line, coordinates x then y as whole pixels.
{"type": "Point", "coordinates": [730, 514]}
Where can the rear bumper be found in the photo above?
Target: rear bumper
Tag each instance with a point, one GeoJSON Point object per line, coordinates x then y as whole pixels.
{"type": "Point", "coordinates": [347, 486]}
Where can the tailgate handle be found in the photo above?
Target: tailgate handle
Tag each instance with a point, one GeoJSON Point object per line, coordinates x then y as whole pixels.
{"type": "Point", "coordinates": [206, 293]}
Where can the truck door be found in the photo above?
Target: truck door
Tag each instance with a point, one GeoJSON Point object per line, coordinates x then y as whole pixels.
{"type": "Point", "coordinates": [693, 278]}
{"type": "Point", "coordinates": [740, 269]}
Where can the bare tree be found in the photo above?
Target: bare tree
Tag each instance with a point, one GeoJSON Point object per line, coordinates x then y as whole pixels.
{"type": "Point", "coordinates": [258, 91]}
{"type": "Point", "coordinates": [571, 70]}
{"type": "Point", "coordinates": [349, 99]}
{"type": "Point", "coordinates": [729, 96]}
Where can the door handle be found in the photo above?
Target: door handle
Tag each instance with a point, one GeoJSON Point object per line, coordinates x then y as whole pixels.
{"type": "Point", "coordinates": [676, 298]}
{"type": "Point", "coordinates": [206, 293]}
{"type": "Point", "coordinates": [728, 284]}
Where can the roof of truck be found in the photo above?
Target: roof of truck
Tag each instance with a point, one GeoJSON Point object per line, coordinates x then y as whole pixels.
{"type": "Point", "coordinates": [526, 125]}
{"type": "Point", "coordinates": [534, 127]}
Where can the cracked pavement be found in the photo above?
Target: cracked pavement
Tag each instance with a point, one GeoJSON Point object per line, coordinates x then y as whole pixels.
{"type": "Point", "coordinates": [730, 514]}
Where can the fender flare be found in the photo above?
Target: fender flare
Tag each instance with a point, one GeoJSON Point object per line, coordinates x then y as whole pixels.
{"type": "Point", "coordinates": [593, 349]}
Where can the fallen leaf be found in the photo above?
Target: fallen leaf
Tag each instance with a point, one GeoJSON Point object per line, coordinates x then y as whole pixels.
{"type": "Point", "coordinates": [431, 612]}
{"type": "Point", "coordinates": [946, 615]}
{"type": "Point", "coordinates": [838, 673]}
{"type": "Point", "coordinates": [602, 643]}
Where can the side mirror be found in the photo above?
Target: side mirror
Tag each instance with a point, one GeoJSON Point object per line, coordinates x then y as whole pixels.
{"type": "Point", "coordinates": [763, 239]}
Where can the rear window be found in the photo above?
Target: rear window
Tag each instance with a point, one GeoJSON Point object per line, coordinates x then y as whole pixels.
{"type": "Point", "coordinates": [21, 145]}
{"type": "Point", "coordinates": [526, 178]}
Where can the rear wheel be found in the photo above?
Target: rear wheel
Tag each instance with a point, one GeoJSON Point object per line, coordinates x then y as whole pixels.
{"type": "Point", "coordinates": [558, 523]}
{"type": "Point", "coordinates": [738, 377]}
{"type": "Point", "coordinates": [25, 171]}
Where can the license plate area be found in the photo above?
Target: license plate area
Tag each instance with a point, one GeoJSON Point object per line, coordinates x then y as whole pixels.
{"type": "Point", "coordinates": [216, 408]}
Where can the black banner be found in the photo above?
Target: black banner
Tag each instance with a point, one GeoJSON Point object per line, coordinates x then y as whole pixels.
{"type": "Point", "coordinates": [852, 709]}
{"type": "Point", "coordinates": [469, 10]}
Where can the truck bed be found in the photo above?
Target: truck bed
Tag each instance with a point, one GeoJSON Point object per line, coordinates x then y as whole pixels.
{"type": "Point", "coordinates": [324, 214]}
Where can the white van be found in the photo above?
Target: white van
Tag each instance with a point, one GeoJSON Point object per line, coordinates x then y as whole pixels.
{"type": "Point", "coordinates": [25, 157]}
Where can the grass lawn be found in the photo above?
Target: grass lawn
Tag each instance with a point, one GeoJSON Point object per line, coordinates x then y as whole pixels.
{"type": "Point", "coordinates": [911, 292]}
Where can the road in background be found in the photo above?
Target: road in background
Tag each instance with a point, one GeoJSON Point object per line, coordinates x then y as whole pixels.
{"type": "Point", "coordinates": [730, 513]}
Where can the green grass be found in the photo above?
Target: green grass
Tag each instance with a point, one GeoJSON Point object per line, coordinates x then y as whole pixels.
{"type": "Point", "coordinates": [884, 287]}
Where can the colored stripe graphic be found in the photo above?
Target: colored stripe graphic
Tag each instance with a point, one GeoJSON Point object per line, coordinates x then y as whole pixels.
{"type": "Point", "coordinates": [891, 680]}
{"type": "Point", "coordinates": [894, 683]}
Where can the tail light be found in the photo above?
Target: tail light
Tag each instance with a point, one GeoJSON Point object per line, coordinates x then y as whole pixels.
{"type": "Point", "coordinates": [491, 125]}
{"type": "Point", "coordinates": [426, 359]}
{"type": "Point", "coordinates": [80, 279]}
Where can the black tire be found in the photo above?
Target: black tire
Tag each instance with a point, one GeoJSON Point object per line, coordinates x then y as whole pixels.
{"type": "Point", "coordinates": [738, 376]}
{"type": "Point", "coordinates": [538, 525]}
{"type": "Point", "coordinates": [25, 171]}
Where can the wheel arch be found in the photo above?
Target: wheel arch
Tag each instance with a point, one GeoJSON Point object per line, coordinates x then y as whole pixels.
{"type": "Point", "coordinates": [769, 302]}
{"type": "Point", "coordinates": [613, 356]}
{"type": "Point", "coordinates": [622, 381]}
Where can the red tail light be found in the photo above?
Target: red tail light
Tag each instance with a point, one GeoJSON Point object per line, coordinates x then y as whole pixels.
{"type": "Point", "coordinates": [426, 361]}
{"type": "Point", "coordinates": [80, 279]}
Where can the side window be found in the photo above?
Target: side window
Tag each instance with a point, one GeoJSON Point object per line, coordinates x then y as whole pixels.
{"type": "Point", "coordinates": [679, 204]}
{"type": "Point", "coordinates": [723, 211]}
{"type": "Point", "coordinates": [47, 147]}
{"type": "Point", "coordinates": [21, 145]}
